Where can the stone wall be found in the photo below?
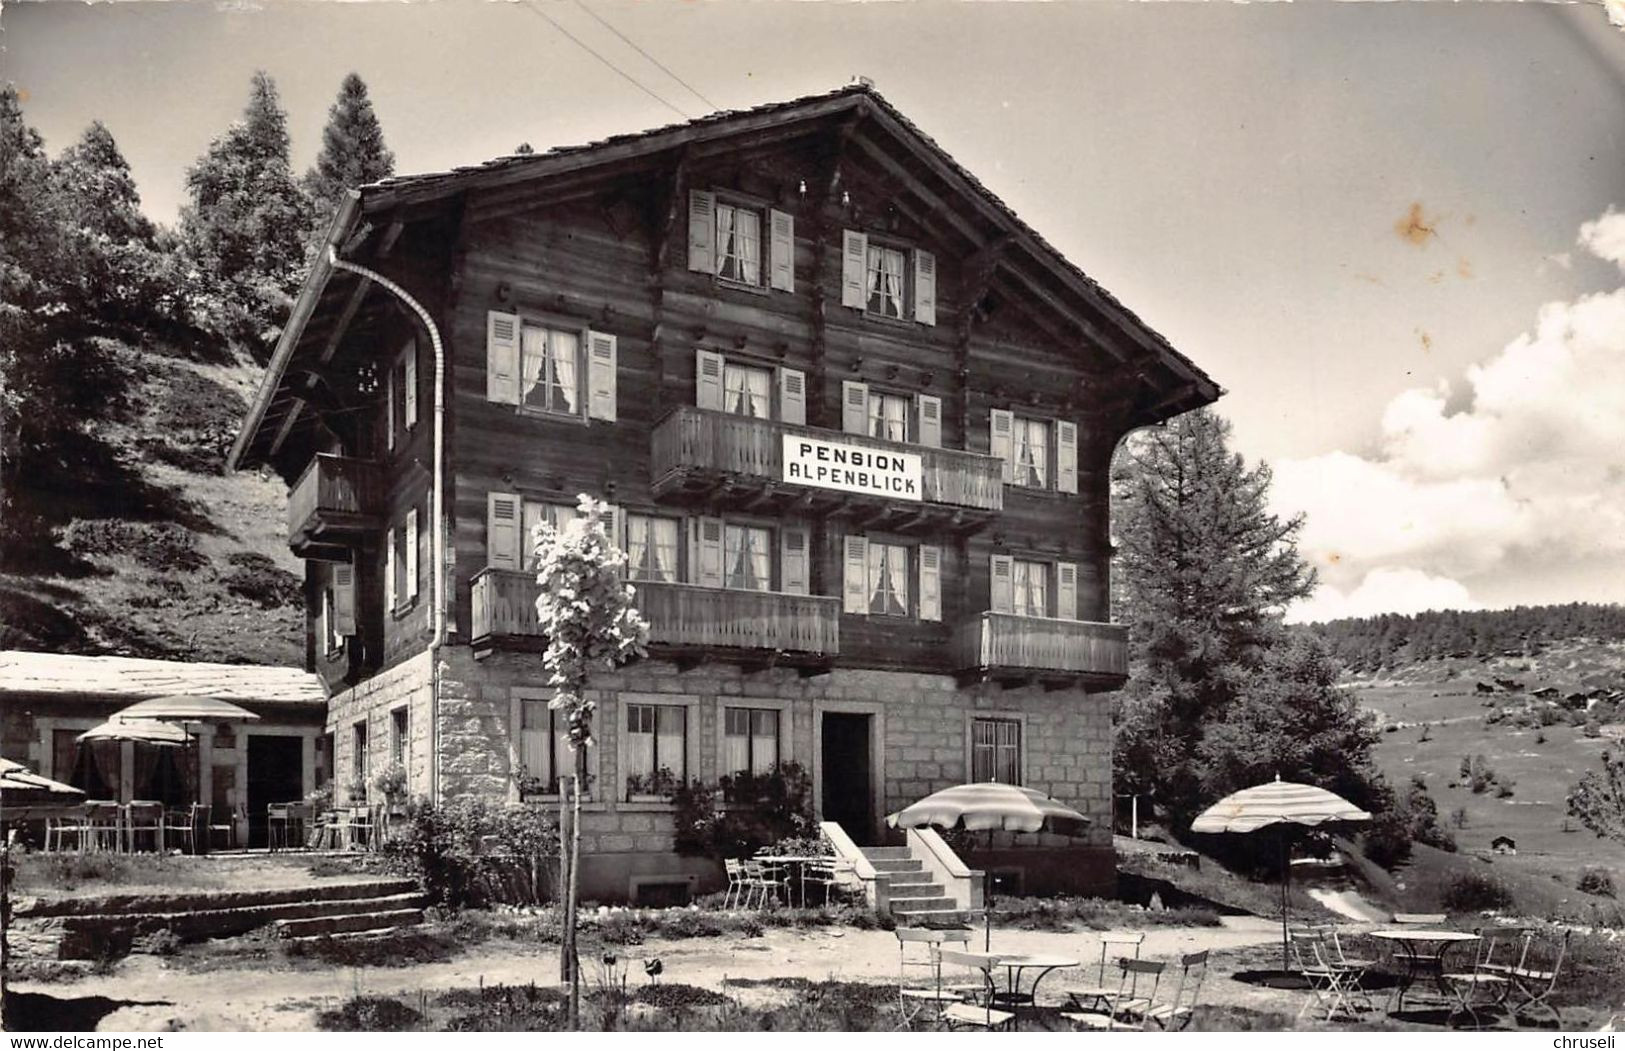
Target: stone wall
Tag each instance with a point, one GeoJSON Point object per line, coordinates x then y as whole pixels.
{"type": "Point", "coordinates": [407, 684]}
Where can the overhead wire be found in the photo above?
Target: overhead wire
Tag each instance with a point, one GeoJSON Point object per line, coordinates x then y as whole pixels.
{"type": "Point", "coordinates": [544, 16]}
{"type": "Point", "coordinates": [634, 46]}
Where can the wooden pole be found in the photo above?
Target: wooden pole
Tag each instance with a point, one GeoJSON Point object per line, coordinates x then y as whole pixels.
{"type": "Point", "coordinates": [575, 886]}
{"type": "Point", "coordinates": [566, 828]}
{"type": "Point", "coordinates": [5, 922]}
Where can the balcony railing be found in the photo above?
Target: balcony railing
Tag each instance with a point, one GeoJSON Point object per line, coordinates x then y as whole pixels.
{"type": "Point", "coordinates": [702, 449]}
{"type": "Point", "coordinates": [332, 504]}
{"type": "Point", "coordinates": [1007, 642]}
{"type": "Point", "coordinates": [681, 616]}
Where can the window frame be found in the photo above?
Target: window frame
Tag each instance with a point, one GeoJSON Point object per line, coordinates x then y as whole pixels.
{"type": "Point", "coordinates": [758, 525]}
{"type": "Point", "coordinates": [360, 753]}
{"type": "Point", "coordinates": [690, 704]}
{"type": "Point", "coordinates": [404, 599]}
{"type": "Point", "coordinates": [679, 569]}
{"type": "Point", "coordinates": [905, 313]}
{"type": "Point", "coordinates": [784, 708]}
{"type": "Point", "coordinates": [327, 620]}
{"type": "Point", "coordinates": [1017, 421]}
{"type": "Point", "coordinates": [555, 323]}
{"type": "Point", "coordinates": [516, 706]}
{"type": "Point", "coordinates": [910, 407]}
{"type": "Point", "coordinates": [1050, 579]}
{"type": "Point", "coordinates": [527, 551]}
{"type": "Point", "coordinates": [759, 209]}
{"type": "Point", "coordinates": [910, 576]}
{"type": "Point", "coordinates": [1019, 719]}
{"type": "Point", "coordinates": [733, 363]}
{"type": "Point", "coordinates": [400, 735]}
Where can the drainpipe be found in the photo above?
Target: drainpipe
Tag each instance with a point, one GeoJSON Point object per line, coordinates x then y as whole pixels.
{"type": "Point", "coordinates": [437, 546]}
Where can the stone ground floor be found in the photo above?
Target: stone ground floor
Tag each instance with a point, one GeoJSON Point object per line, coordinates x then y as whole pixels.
{"type": "Point", "coordinates": [872, 742]}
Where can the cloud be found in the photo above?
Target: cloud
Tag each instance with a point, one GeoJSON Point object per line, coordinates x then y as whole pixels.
{"type": "Point", "coordinates": [1386, 591]}
{"type": "Point", "coordinates": [1521, 471]}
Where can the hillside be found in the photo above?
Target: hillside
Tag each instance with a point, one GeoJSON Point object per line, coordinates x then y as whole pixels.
{"type": "Point", "coordinates": [141, 545]}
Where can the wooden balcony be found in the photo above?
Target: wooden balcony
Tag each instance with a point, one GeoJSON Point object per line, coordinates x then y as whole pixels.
{"type": "Point", "coordinates": [1059, 652]}
{"type": "Point", "coordinates": [333, 505]}
{"type": "Point", "coordinates": [687, 623]}
{"type": "Point", "coordinates": [701, 457]}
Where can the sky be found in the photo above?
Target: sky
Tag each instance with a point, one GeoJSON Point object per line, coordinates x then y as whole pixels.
{"type": "Point", "coordinates": [1394, 233]}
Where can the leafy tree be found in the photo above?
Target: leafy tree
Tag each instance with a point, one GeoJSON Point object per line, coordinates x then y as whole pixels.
{"type": "Point", "coordinates": [587, 614]}
{"type": "Point", "coordinates": [353, 151]}
{"type": "Point", "coordinates": [243, 228]}
{"type": "Point", "coordinates": [1597, 800]}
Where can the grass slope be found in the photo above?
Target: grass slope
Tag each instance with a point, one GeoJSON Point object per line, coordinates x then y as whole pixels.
{"type": "Point", "coordinates": [153, 550]}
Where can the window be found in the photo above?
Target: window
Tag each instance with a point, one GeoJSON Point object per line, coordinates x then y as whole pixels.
{"type": "Point", "coordinates": [747, 390]}
{"type": "Point", "coordinates": [402, 548]}
{"type": "Point", "coordinates": [888, 579]}
{"type": "Point", "coordinates": [739, 244]}
{"type": "Point", "coordinates": [651, 548]}
{"type": "Point", "coordinates": [888, 416]}
{"type": "Point", "coordinates": [544, 747]}
{"type": "Point", "coordinates": [401, 394]}
{"type": "Point", "coordinates": [746, 558]}
{"type": "Point", "coordinates": [550, 376]}
{"type": "Point", "coordinates": [1030, 450]}
{"type": "Point", "coordinates": [655, 755]}
{"type": "Point", "coordinates": [398, 738]}
{"type": "Point", "coordinates": [362, 767]}
{"type": "Point", "coordinates": [327, 631]}
{"type": "Point", "coordinates": [1030, 588]}
{"type": "Point", "coordinates": [535, 514]}
{"type": "Point", "coordinates": [750, 740]}
{"type": "Point", "coordinates": [995, 753]}
{"type": "Point", "coordinates": [884, 281]}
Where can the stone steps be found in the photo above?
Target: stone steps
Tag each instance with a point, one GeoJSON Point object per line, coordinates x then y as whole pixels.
{"type": "Point", "coordinates": [200, 901]}
{"type": "Point", "coordinates": [349, 923]}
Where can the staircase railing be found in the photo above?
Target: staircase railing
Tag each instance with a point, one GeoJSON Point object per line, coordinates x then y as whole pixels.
{"type": "Point", "coordinates": [959, 881]}
{"type": "Point", "coordinates": [876, 887]}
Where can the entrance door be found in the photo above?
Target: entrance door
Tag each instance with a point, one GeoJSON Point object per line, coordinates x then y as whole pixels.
{"type": "Point", "coordinates": [276, 774]}
{"type": "Point", "coordinates": [847, 776]}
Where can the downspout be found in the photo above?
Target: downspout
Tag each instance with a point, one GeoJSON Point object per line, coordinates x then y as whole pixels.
{"type": "Point", "coordinates": [437, 557]}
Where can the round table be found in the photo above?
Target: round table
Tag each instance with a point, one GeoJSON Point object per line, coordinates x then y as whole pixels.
{"type": "Point", "coordinates": [1423, 955]}
{"type": "Point", "coordinates": [1043, 963]}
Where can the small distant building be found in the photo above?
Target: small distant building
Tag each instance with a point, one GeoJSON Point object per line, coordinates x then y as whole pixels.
{"type": "Point", "coordinates": [1504, 845]}
{"type": "Point", "coordinates": [1546, 692]}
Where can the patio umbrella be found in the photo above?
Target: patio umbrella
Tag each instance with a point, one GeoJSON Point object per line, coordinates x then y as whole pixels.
{"type": "Point", "coordinates": [1278, 804]}
{"type": "Point", "coordinates": [145, 731]}
{"type": "Point", "coordinates": [182, 708]}
{"type": "Point", "coordinates": [20, 786]}
{"type": "Point", "coordinates": [989, 807]}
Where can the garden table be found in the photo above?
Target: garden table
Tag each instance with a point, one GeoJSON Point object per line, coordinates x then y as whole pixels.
{"type": "Point", "coordinates": [1423, 953]}
{"type": "Point", "coordinates": [791, 859]}
{"type": "Point", "coordinates": [1043, 963]}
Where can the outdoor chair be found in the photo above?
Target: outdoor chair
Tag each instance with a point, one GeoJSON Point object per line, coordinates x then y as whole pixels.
{"type": "Point", "coordinates": [180, 828]}
{"type": "Point", "coordinates": [104, 827]}
{"type": "Point", "coordinates": [830, 873]}
{"type": "Point", "coordinates": [1333, 986]}
{"type": "Point", "coordinates": [144, 818]}
{"type": "Point", "coordinates": [1094, 998]}
{"type": "Point", "coordinates": [919, 972]}
{"type": "Point", "coordinates": [759, 883]}
{"type": "Point", "coordinates": [980, 1014]}
{"type": "Point", "coordinates": [358, 827]}
{"type": "Point", "coordinates": [1414, 960]}
{"type": "Point", "coordinates": [225, 827]}
{"type": "Point", "coordinates": [1338, 954]}
{"type": "Point", "coordinates": [276, 826]}
{"type": "Point", "coordinates": [1536, 975]}
{"type": "Point", "coordinates": [735, 870]}
{"type": "Point", "coordinates": [297, 829]}
{"type": "Point", "coordinates": [70, 827]}
{"type": "Point", "coordinates": [1176, 1013]}
{"type": "Point", "coordinates": [1129, 999]}
{"type": "Point", "coordinates": [1485, 984]}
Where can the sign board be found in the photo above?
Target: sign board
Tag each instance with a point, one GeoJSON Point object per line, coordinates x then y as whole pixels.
{"type": "Point", "coordinates": [852, 468]}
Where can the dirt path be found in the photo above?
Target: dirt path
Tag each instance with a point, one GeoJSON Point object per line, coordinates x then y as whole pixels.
{"type": "Point", "coordinates": [157, 996]}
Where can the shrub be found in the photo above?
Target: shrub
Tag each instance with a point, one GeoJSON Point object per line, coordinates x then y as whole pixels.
{"type": "Point", "coordinates": [255, 577]}
{"type": "Point", "coordinates": [1458, 817]}
{"type": "Point", "coordinates": [466, 852]}
{"type": "Point", "coordinates": [163, 546]}
{"type": "Point", "coordinates": [365, 1014]}
{"type": "Point", "coordinates": [744, 813]}
{"type": "Point", "coordinates": [1503, 789]}
{"type": "Point", "coordinates": [1475, 892]}
{"type": "Point", "coordinates": [1596, 880]}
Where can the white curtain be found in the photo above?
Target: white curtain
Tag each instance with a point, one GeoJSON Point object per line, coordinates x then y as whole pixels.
{"type": "Point", "coordinates": [637, 547]}
{"type": "Point", "coordinates": [1031, 589]}
{"type": "Point", "coordinates": [736, 741]}
{"type": "Point", "coordinates": [565, 348]}
{"type": "Point", "coordinates": [888, 417]}
{"type": "Point", "coordinates": [892, 263]}
{"type": "Point", "coordinates": [1032, 451]}
{"type": "Point", "coordinates": [764, 733]}
{"type": "Point", "coordinates": [726, 262]}
{"type": "Point", "coordinates": [747, 391]}
{"type": "Point", "coordinates": [670, 746]}
{"type": "Point", "coordinates": [748, 227]}
{"type": "Point", "coordinates": [662, 543]}
{"type": "Point", "coordinates": [746, 550]}
{"type": "Point", "coordinates": [888, 579]}
{"type": "Point", "coordinates": [533, 366]}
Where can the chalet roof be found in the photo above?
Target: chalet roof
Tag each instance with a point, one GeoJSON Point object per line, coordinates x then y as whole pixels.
{"type": "Point", "coordinates": [136, 678]}
{"type": "Point", "coordinates": [319, 308]}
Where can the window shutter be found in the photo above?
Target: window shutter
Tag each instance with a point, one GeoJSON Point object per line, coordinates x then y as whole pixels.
{"type": "Point", "coordinates": [1066, 456]}
{"type": "Point", "coordinates": [702, 231]}
{"type": "Point", "coordinates": [411, 392]}
{"type": "Point", "coordinates": [601, 376]}
{"type": "Point", "coordinates": [389, 408]}
{"type": "Point", "coordinates": [854, 407]}
{"type": "Point", "coordinates": [792, 396]}
{"type": "Point", "coordinates": [928, 409]}
{"type": "Point", "coordinates": [1066, 590]}
{"type": "Point", "coordinates": [708, 379]}
{"type": "Point", "coordinates": [617, 526]}
{"type": "Point", "coordinates": [854, 261]}
{"type": "Point", "coordinates": [1001, 590]}
{"type": "Point", "coordinates": [389, 570]}
{"type": "Point", "coordinates": [793, 560]}
{"type": "Point", "coordinates": [782, 252]}
{"type": "Point", "coordinates": [930, 582]}
{"type": "Point", "coordinates": [502, 357]}
{"type": "Point", "coordinates": [502, 540]}
{"type": "Point", "coordinates": [925, 288]}
{"type": "Point", "coordinates": [855, 574]}
{"type": "Point", "coordinates": [708, 553]}
{"type": "Point", "coordinates": [412, 554]}
{"type": "Point", "coordinates": [344, 599]}
{"type": "Point", "coordinates": [1002, 427]}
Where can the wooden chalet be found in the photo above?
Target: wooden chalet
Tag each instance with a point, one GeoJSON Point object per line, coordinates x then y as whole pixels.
{"type": "Point", "coordinates": [854, 416]}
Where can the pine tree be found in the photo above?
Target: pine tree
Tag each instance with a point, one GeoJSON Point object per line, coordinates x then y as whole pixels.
{"type": "Point", "coordinates": [353, 151]}
{"type": "Point", "coordinates": [243, 229]}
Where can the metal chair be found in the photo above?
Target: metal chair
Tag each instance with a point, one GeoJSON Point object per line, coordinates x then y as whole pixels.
{"type": "Point", "coordinates": [72, 825]}
{"type": "Point", "coordinates": [144, 817]}
{"type": "Point", "coordinates": [180, 828]}
{"type": "Point", "coordinates": [980, 1014]}
{"type": "Point", "coordinates": [735, 871]}
{"type": "Point", "coordinates": [1091, 999]}
{"type": "Point", "coordinates": [1535, 977]}
{"type": "Point", "coordinates": [276, 827]}
{"type": "Point", "coordinates": [830, 873]}
{"type": "Point", "coordinates": [917, 994]}
{"type": "Point", "coordinates": [758, 881]}
{"type": "Point", "coordinates": [226, 826]}
{"type": "Point", "coordinates": [1333, 985]}
{"type": "Point", "coordinates": [358, 827]}
{"type": "Point", "coordinates": [103, 828]}
{"type": "Point", "coordinates": [1176, 1013]}
{"type": "Point", "coordinates": [1484, 976]}
{"type": "Point", "coordinates": [1126, 1000]}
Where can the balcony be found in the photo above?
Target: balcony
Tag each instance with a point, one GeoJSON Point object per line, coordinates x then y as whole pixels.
{"type": "Point", "coordinates": [717, 459]}
{"type": "Point", "coordinates": [335, 502]}
{"type": "Point", "coordinates": [1015, 648]}
{"type": "Point", "coordinates": [687, 623]}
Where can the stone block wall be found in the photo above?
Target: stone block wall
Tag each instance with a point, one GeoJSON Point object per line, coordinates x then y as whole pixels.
{"type": "Point", "coordinates": [372, 701]}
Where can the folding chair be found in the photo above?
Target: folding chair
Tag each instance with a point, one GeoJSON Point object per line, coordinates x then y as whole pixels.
{"type": "Point", "coordinates": [923, 989]}
{"type": "Point", "coordinates": [103, 830]}
{"type": "Point", "coordinates": [735, 871]}
{"type": "Point", "coordinates": [180, 827]}
{"type": "Point", "coordinates": [1091, 999]}
{"type": "Point", "coordinates": [1176, 1013]}
{"type": "Point", "coordinates": [1338, 955]}
{"type": "Point", "coordinates": [830, 873]}
{"type": "Point", "coordinates": [759, 880]}
{"type": "Point", "coordinates": [145, 818]}
{"type": "Point", "coordinates": [1535, 977]}
{"type": "Point", "coordinates": [72, 825]}
{"type": "Point", "coordinates": [276, 826]}
{"type": "Point", "coordinates": [1127, 1000]}
{"type": "Point", "coordinates": [1331, 984]}
{"type": "Point", "coordinates": [981, 1014]}
{"type": "Point", "coordinates": [226, 826]}
{"type": "Point", "coordinates": [1484, 977]}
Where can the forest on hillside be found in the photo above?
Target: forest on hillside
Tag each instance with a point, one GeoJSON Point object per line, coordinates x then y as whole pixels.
{"type": "Point", "coordinates": [1371, 643]}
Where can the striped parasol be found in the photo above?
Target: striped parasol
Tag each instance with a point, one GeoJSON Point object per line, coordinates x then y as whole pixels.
{"type": "Point", "coordinates": [146, 731]}
{"type": "Point", "coordinates": [184, 708]}
{"type": "Point", "coordinates": [20, 786]}
{"type": "Point", "coordinates": [1278, 803]}
{"type": "Point", "coordinates": [991, 806]}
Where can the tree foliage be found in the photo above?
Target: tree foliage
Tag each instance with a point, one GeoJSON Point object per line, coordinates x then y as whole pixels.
{"type": "Point", "coordinates": [353, 151]}
{"type": "Point", "coordinates": [1597, 800]}
{"type": "Point", "coordinates": [1372, 643]}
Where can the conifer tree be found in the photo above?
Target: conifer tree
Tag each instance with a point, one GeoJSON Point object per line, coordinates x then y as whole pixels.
{"type": "Point", "coordinates": [353, 151]}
